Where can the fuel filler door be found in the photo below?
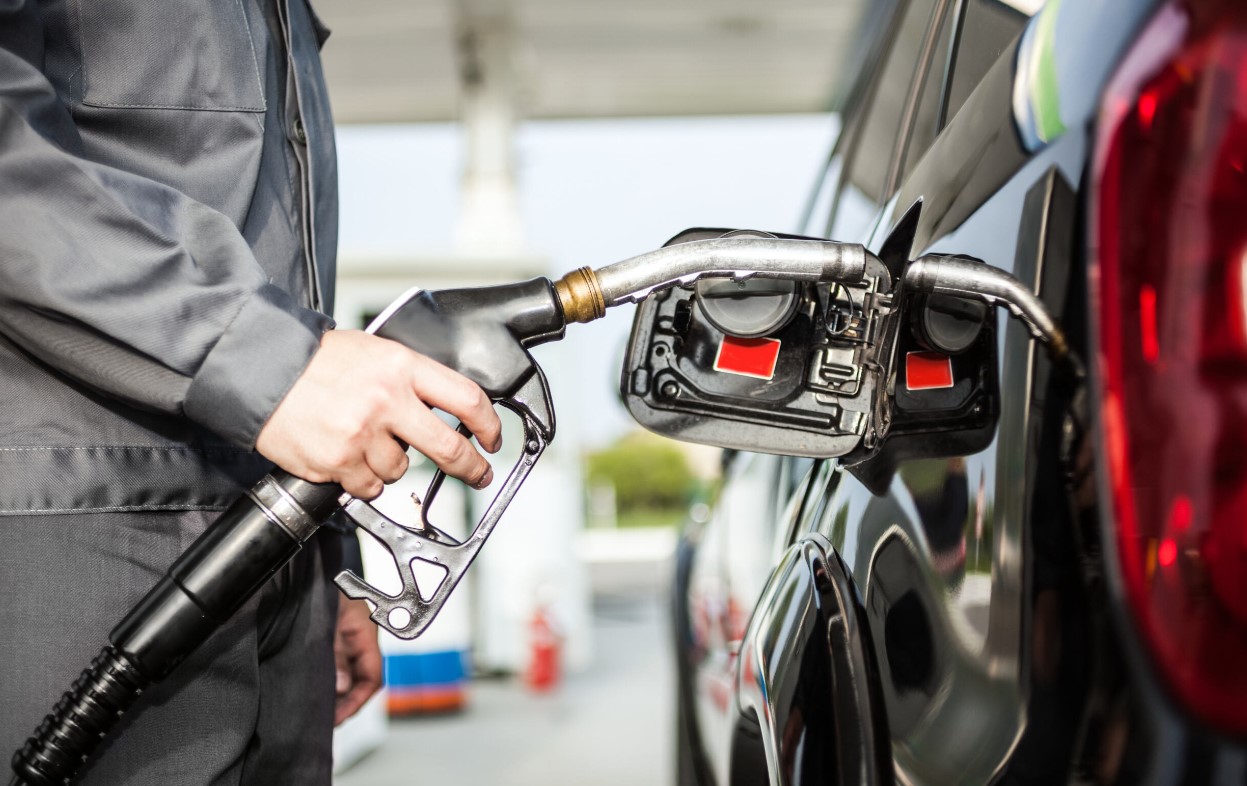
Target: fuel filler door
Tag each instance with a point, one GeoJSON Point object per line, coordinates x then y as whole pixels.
{"type": "Point", "coordinates": [765, 365]}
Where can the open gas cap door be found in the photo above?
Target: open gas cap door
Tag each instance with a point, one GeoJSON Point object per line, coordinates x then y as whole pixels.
{"type": "Point", "coordinates": [762, 365]}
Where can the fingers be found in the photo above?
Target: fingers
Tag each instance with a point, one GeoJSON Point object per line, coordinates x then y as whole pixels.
{"type": "Point", "coordinates": [450, 391]}
{"type": "Point", "coordinates": [445, 447]}
{"type": "Point", "coordinates": [387, 459]}
{"type": "Point", "coordinates": [357, 658]}
{"type": "Point", "coordinates": [384, 462]}
{"type": "Point", "coordinates": [360, 482]}
{"type": "Point", "coordinates": [342, 670]}
{"type": "Point", "coordinates": [359, 393]}
{"type": "Point", "coordinates": [366, 680]}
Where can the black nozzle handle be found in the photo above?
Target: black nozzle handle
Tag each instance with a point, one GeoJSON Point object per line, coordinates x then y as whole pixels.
{"type": "Point", "coordinates": [483, 333]}
{"type": "Point", "coordinates": [221, 570]}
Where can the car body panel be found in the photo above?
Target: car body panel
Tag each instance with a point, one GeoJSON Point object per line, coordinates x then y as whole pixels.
{"type": "Point", "coordinates": [953, 531]}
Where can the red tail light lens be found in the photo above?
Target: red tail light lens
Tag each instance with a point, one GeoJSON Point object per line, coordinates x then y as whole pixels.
{"type": "Point", "coordinates": [1170, 275]}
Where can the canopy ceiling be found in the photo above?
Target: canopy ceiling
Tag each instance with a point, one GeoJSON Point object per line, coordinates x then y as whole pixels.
{"type": "Point", "coordinates": [403, 61]}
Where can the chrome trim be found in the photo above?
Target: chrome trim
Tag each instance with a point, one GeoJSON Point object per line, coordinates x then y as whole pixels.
{"type": "Point", "coordinates": [738, 258]}
{"type": "Point", "coordinates": [282, 508]}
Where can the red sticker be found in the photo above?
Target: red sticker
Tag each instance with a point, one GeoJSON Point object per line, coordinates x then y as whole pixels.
{"type": "Point", "coordinates": [750, 357]}
{"type": "Point", "coordinates": [928, 371]}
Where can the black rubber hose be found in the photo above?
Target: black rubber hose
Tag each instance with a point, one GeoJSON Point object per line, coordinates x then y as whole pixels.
{"type": "Point", "coordinates": [225, 566]}
{"type": "Point", "coordinates": [80, 720]}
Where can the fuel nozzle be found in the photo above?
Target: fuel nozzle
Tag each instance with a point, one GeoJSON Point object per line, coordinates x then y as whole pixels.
{"type": "Point", "coordinates": [973, 279]}
{"type": "Point", "coordinates": [585, 294]}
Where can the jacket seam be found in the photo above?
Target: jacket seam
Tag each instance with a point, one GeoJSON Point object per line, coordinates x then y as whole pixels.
{"type": "Point", "coordinates": [113, 509]}
{"type": "Point", "coordinates": [82, 53]}
{"type": "Point", "coordinates": [119, 105]}
{"type": "Point", "coordinates": [166, 448]}
{"type": "Point", "coordinates": [255, 60]}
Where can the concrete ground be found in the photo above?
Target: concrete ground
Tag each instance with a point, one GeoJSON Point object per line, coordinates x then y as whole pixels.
{"type": "Point", "coordinates": [611, 724]}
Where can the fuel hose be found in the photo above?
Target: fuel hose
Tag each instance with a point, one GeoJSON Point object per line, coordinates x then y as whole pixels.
{"type": "Point", "coordinates": [260, 532]}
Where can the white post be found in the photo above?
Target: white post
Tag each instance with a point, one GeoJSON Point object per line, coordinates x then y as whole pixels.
{"type": "Point", "coordinates": [489, 219]}
{"type": "Point", "coordinates": [532, 552]}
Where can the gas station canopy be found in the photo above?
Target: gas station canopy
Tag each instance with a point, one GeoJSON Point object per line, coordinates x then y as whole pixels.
{"type": "Point", "coordinates": [409, 60]}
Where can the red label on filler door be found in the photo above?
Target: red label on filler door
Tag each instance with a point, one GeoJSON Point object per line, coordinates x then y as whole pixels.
{"type": "Point", "coordinates": [750, 357]}
{"type": "Point", "coordinates": [928, 371]}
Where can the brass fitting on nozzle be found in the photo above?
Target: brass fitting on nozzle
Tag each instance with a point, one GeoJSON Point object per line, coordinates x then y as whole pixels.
{"type": "Point", "coordinates": [580, 296]}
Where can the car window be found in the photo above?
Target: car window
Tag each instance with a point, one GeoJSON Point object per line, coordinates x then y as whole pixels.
{"type": "Point", "coordinates": [930, 97]}
{"type": "Point", "coordinates": [986, 29]}
{"type": "Point", "coordinates": [817, 492]}
{"type": "Point", "coordinates": [819, 204]}
{"type": "Point", "coordinates": [828, 204]}
{"type": "Point", "coordinates": [869, 166]}
{"type": "Point", "coordinates": [793, 488]}
{"type": "Point", "coordinates": [851, 212]}
{"type": "Point", "coordinates": [813, 220]}
{"type": "Point", "coordinates": [747, 513]}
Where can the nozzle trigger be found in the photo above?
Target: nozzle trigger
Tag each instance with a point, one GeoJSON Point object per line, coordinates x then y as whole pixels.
{"type": "Point", "coordinates": [408, 613]}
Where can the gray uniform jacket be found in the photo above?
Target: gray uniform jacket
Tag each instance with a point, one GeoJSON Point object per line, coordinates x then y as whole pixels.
{"type": "Point", "coordinates": [168, 227]}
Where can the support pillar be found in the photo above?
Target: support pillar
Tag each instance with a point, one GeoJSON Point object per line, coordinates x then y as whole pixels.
{"type": "Point", "coordinates": [489, 220]}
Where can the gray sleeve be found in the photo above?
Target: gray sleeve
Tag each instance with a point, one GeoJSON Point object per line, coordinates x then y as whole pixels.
{"type": "Point", "coordinates": [124, 284]}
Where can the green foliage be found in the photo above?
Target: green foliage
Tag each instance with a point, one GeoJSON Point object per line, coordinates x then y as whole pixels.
{"type": "Point", "coordinates": [638, 519]}
{"type": "Point", "coordinates": [648, 473]}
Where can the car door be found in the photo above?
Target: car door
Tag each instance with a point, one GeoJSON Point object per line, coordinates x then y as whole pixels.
{"type": "Point", "coordinates": [941, 547]}
{"type": "Point", "coordinates": [729, 568]}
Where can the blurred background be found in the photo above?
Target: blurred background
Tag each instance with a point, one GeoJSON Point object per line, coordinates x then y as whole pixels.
{"type": "Point", "coordinates": [486, 142]}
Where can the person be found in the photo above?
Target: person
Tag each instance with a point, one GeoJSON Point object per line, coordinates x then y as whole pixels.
{"type": "Point", "coordinates": [167, 242]}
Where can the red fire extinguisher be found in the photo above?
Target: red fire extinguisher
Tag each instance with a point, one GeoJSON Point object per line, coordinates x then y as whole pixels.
{"type": "Point", "coordinates": [545, 652]}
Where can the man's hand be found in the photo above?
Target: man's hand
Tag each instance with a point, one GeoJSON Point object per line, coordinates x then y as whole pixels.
{"type": "Point", "coordinates": [360, 395]}
{"type": "Point", "coordinates": [357, 658]}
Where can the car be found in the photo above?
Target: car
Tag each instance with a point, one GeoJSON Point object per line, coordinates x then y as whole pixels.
{"type": "Point", "coordinates": [1039, 574]}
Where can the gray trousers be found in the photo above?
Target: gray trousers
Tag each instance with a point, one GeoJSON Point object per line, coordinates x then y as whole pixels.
{"type": "Point", "coordinates": [254, 705]}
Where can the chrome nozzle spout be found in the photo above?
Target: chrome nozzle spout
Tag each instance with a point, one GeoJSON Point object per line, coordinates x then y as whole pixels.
{"type": "Point", "coordinates": [976, 280]}
{"type": "Point", "coordinates": [586, 294]}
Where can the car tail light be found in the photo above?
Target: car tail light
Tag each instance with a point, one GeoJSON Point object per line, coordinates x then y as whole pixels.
{"type": "Point", "coordinates": [1169, 270]}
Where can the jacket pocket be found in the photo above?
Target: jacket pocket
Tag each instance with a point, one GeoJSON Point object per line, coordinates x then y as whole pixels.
{"type": "Point", "coordinates": [169, 54]}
